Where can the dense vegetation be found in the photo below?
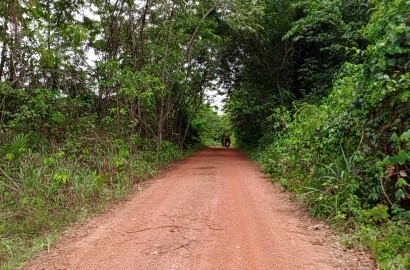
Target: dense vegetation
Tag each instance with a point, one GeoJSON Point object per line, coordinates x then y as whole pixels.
{"type": "Point", "coordinates": [323, 102]}
{"type": "Point", "coordinates": [95, 95]}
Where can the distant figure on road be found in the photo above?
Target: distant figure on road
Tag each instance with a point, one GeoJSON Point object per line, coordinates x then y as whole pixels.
{"type": "Point", "coordinates": [226, 141]}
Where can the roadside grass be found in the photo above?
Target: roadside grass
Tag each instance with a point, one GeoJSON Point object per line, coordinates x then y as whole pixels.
{"type": "Point", "coordinates": [43, 190]}
{"type": "Point", "coordinates": [332, 195]}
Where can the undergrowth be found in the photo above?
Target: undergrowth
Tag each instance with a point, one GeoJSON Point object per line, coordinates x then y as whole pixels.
{"type": "Point", "coordinates": [347, 156]}
{"type": "Point", "coordinates": [45, 188]}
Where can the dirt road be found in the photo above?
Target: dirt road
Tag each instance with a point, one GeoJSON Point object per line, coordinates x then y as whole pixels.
{"type": "Point", "coordinates": [211, 211]}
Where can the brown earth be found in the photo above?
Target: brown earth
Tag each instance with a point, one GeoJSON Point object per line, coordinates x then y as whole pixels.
{"type": "Point", "coordinates": [214, 210]}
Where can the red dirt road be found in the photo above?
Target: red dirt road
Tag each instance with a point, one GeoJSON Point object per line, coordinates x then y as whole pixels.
{"type": "Point", "coordinates": [214, 210]}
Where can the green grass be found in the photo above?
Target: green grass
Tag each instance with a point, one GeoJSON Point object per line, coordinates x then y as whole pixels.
{"type": "Point", "coordinates": [332, 196]}
{"type": "Point", "coordinates": [43, 190]}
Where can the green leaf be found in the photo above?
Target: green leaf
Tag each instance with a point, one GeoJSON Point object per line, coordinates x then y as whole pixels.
{"type": "Point", "coordinates": [394, 137]}
{"type": "Point", "coordinates": [405, 136]}
{"type": "Point", "coordinates": [401, 183]}
{"type": "Point", "coordinates": [400, 194]}
{"type": "Point", "coordinates": [402, 157]}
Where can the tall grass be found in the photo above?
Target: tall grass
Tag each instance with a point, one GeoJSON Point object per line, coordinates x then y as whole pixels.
{"type": "Point", "coordinates": [43, 189]}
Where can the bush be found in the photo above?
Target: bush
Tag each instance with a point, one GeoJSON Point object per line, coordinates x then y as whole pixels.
{"type": "Point", "coordinates": [348, 156]}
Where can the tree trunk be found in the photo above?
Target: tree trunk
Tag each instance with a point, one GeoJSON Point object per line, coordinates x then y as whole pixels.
{"type": "Point", "coordinates": [162, 112]}
{"type": "Point", "coordinates": [4, 48]}
{"type": "Point", "coordinates": [14, 44]}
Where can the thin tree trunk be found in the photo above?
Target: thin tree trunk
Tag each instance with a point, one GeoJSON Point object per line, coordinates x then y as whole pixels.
{"type": "Point", "coordinates": [142, 54]}
{"type": "Point", "coordinates": [4, 49]}
{"type": "Point", "coordinates": [195, 111]}
{"type": "Point", "coordinates": [161, 119]}
{"type": "Point", "coordinates": [193, 38]}
{"type": "Point", "coordinates": [14, 44]}
{"type": "Point", "coordinates": [141, 34]}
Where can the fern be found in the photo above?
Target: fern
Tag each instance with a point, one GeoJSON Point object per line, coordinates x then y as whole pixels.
{"type": "Point", "coordinates": [16, 148]}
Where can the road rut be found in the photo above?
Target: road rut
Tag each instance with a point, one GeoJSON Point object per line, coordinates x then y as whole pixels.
{"type": "Point", "coordinates": [214, 210]}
